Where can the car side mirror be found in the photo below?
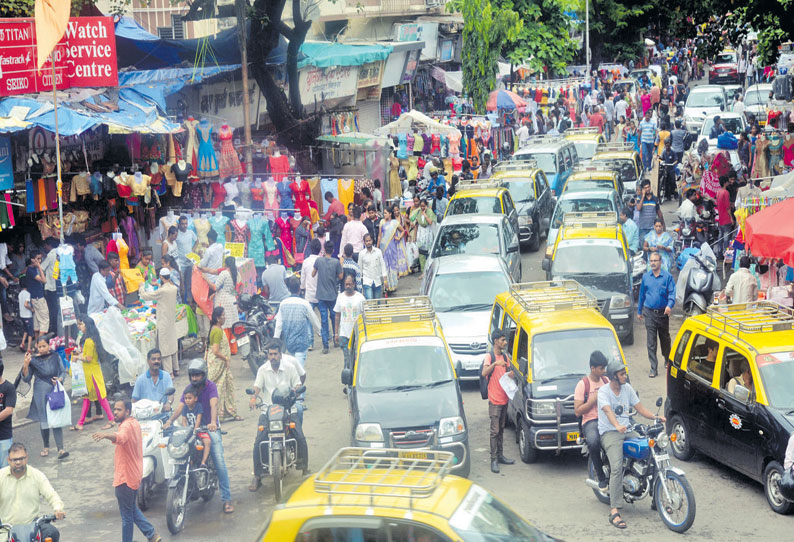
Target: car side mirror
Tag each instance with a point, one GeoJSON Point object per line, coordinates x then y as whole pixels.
{"type": "Point", "coordinates": [722, 107]}
{"type": "Point", "coordinates": [512, 248]}
{"type": "Point", "coordinates": [545, 264]}
{"type": "Point", "coordinates": [741, 394]}
{"type": "Point", "coordinates": [347, 377]}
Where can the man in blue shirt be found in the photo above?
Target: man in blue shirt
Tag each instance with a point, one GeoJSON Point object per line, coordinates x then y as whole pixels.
{"type": "Point", "coordinates": [436, 181]}
{"type": "Point", "coordinates": [657, 298]}
{"type": "Point", "coordinates": [648, 139]}
{"type": "Point", "coordinates": [153, 383]}
{"type": "Point", "coordinates": [630, 230]}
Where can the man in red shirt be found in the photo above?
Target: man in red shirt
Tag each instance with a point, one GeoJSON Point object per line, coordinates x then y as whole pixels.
{"type": "Point", "coordinates": [128, 471]}
{"type": "Point", "coordinates": [597, 119]}
{"type": "Point", "coordinates": [494, 367]}
{"type": "Point", "coordinates": [334, 206]}
{"type": "Point", "coordinates": [724, 217]}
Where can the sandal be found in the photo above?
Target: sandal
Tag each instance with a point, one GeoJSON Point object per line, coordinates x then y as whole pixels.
{"type": "Point", "coordinates": [620, 524]}
{"type": "Point", "coordinates": [109, 425]}
{"type": "Point", "coordinates": [77, 427]}
{"type": "Point", "coordinates": [63, 454]}
{"type": "Point", "coordinates": [45, 452]}
{"type": "Point", "coordinates": [228, 508]}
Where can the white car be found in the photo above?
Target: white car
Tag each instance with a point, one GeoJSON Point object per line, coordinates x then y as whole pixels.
{"type": "Point", "coordinates": [756, 101]}
{"type": "Point", "coordinates": [701, 102]}
{"type": "Point", "coordinates": [733, 122]}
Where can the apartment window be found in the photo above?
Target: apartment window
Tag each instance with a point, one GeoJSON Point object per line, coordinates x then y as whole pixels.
{"type": "Point", "coordinates": [165, 32]}
{"type": "Point", "coordinates": [179, 27]}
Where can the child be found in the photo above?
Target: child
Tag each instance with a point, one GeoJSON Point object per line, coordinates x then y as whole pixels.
{"type": "Point", "coordinates": [191, 416]}
{"type": "Point", "coordinates": [26, 314]}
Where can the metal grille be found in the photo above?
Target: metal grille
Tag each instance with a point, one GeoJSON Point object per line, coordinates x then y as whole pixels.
{"type": "Point", "coordinates": [469, 349]}
{"type": "Point", "coordinates": [398, 309]}
{"type": "Point", "coordinates": [412, 438]}
{"type": "Point", "coordinates": [602, 303]}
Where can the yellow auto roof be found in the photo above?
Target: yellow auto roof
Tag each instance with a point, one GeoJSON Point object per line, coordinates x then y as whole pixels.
{"type": "Point", "coordinates": [583, 137]}
{"type": "Point", "coordinates": [397, 317]}
{"type": "Point", "coordinates": [398, 330]}
{"type": "Point", "coordinates": [594, 175]}
{"type": "Point", "coordinates": [475, 192]}
{"type": "Point", "coordinates": [614, 154]}
{"type": "Point", "coordinates": [572, 232]}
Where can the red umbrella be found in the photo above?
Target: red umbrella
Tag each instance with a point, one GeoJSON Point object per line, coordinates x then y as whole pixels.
{"type": "Point", "coordinates": [769, 233]}
{"type": "Point", "coordinates": [504, 99]}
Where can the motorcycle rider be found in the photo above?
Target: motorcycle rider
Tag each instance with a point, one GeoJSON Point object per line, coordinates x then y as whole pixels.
{"type": "Point", "coordinates": [585, 406]}
{"type": "Point", "coordinates": [275, 375]}
{"type": "Point", "coordinates": [21, 488]}
{"type": "Point", "coordinates": [688, 210]}
{"type": "Point", "coordinates": [208, 397]}
{"type": "Point", "coordinates": [670, 160]}
{"type": "Point", "coordinates": [614, 403]}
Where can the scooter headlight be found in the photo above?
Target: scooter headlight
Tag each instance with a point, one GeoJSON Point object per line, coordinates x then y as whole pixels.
{"type": "Point", "coordinates": [178, 452]}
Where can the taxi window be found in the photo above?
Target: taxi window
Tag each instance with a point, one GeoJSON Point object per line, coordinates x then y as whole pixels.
{"type": "Point", "coordinates": [734, 367]}
{"type": "Point", "coordinates": [703, 358]}
{"type": "Point", "coordinates": [508, 203]}
{"type": "Point", "coordinates": [523, 352]}
{"type": "Point", "coordinates": [496, 318]}
{"type": "Point", "coordinates": [543, 182]}
{"type": "Point", "coordinates": [679, 351]}
{"type": "Point", "coordinates": [509, 327]}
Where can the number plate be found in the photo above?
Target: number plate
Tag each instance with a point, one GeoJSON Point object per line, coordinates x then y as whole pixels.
{"type": "Point", "coordinates": [413, 455]}
{"type": "Point", "coordinates": [662, 457]}
{"type": "Point", "coordinates": [572, 437]}
{"type": "Point", "coordinates": [242, 341]}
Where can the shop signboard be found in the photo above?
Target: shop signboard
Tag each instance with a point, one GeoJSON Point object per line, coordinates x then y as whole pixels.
{"type": "Point", "coordinates": [447, 50]}
{"type": "Point", "coordinates": [411, 60]}
{"type": "Point", "coordinates": [320, 84]}
{"type": "Point", "coordinates": [6, 164]}
{"type": "Point", "coordinates": [85, 56]}
{"type": "Point", "coordinates": [406, 32]}
{"type": "Point", "coordinates": [369, 75]}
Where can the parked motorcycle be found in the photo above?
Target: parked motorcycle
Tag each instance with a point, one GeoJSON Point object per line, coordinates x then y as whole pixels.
{"type": "Point", "coordinates": [190, 480]}
{"type": "Point", "coordinates": [29, 532]}
{"type": "Point", "coordinates": [280, 451]}
{"type": "Point", "coordinates": [257, 328]}
{"type": "Point", "coordinates": [647, 472]}
{"type": "Point", "coordinates": [13, 328]}
{"type": "Point", "coordinates": [156, 460]}
{"type": "Point", "coordinates": [698, 281]}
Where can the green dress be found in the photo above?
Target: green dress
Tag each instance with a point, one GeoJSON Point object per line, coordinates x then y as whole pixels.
{"type": "Point", "coordinates": [220, 374]}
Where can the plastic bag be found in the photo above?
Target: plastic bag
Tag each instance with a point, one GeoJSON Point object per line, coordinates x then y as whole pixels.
{"type": "Point", "coordinates": [79, 385]}
{"type": "Point", "coordinates": [413, 252]}
{"type": "Point", "coordinates": [61, 417]}
{"type": "Point", "coordinates": [117, 342]}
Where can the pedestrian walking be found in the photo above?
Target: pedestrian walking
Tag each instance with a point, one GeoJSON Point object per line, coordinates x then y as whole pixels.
{"type": "Point", "coordinates": [165, 298]}
{"type": "Point", "coordinates": [328, 271]}
{"type": "Point", "coordinates": [647, 139]}
{"type": "Point", "coordinates": [656, 301]}
{"type": "Point", "coordinates": [226, 294]}
{"type": "Point", "coordinates": [392, 248]}
{"type": "Point", "coordinates": [373, 269]}
{"type": "Point", "coordinates": [219, 357]}
{"type": "Point", "coordinates": [128, 471]}
{"type": "Point", "coordinates": [494, 367]}
{"type": "Point", "coordinates": [350, 267]}
{"type": "Point", "coordinates": [349, 306]}
{"type": "Point", "coordinates": [90, 349]}
{"type": "Point", "coordinates": [296, 322]}
{"type": "Point", "coordinates": [185, 240]}
{"type": "Point", "coordinates": [35, 278]}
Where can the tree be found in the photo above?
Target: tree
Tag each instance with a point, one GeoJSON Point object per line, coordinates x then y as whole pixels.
{"type": "Point", "coordinates": [616, 28]}
{"type": "Point", "coordinates": [486, 30]}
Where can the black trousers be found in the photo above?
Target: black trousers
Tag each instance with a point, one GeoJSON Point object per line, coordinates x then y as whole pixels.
{"type": "Point", "coordinates": [261, 436]}
{"type": "Point", "coordinates": [657, 324]}
{"type": "Point", "coordinates": [54, 308]}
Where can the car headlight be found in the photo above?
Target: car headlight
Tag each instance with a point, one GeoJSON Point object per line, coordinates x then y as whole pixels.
{"type": "Point", "coordinates": [451, 426]}
{"type": "Point", "coordinates": [276, 425]}
{"type": "Point", "coordinates": [178, 452]}
{"type": "Point", "coordinates": [524, 220]}
{"type": "Point", "coordinates": [543, 409]}
{"type": "Point", "coordinates": [620, 302]}
{"type": "Point", "coordinates": [662, 440]}
{"type": "Point", "coordinates": [369, 432]}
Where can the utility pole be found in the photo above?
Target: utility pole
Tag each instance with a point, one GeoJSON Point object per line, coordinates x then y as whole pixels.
{"type": "Point", "coordinates": [587, 39]}
{"type": "Point", "coordinates": [240, 7]}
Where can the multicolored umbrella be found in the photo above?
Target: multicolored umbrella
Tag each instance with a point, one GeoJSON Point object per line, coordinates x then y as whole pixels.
{"type": "Point", "coordinates": [504, 99]}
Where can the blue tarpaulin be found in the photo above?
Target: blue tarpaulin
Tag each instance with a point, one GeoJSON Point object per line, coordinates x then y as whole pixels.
{"type": "Point", "coordinates": [323, 54]}
{"type": "Point", "coordinates": [157, 84]}
{"type": "Point", "coordinates": [138, 48]}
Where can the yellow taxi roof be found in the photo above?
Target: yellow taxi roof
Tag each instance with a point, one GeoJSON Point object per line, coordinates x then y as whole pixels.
{"type": "Point", "coordinates": [593, 175]}
{"type": "Point", "coordinates": [763, 326]}
{"type": "Point", "coordinates": [398, 317]}
{"type": "Point", "coordinates": [572, 232]}
{"type": "Point", "coordinates": [580, 136]}
{"type": "Point", "coordinates": [478, 192]}
{"type": "Point", "coordinates": [614, 154]}
{"type": "Point", "coordinates": [513, 173]}
{"type": "Point", "coordinates": [397, 330]}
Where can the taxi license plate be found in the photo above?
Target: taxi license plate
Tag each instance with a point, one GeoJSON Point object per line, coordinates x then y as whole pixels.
{"type": "Point", "coordinates": [413, 455]}
{"type": "Point", "coordinates": [572, 437]}
{"type": "Point", "coordinates": [242, 341]}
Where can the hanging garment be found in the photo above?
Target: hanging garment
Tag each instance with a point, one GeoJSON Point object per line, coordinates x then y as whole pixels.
{"type": "Point", "coordinates": [207, 161]}
{"type": "Point", "coordinates": [218, 194]}
{"type": "Point", "coordinates": [301, 191]}
{"type": "Point", "coordinates": [326, 186]}
{"type": "Point", "coordinates": [347, 192]}
{"type": "Point", "coordinates": [760, 166]}
{"type": "Point", "coordinates": [402, 146]}
{"type": "Point", "coordinates": [285, 197]}
{"type": "Point", "coordinates": [271, 196]}
{"type": "Point", "coordinates": [218, 223]}
{"type": "Point", "coordinates": [279, 165]}
{"type": "Point", "coordinates": [788, 151]}
{"type": "Point", "coordinates": [229, 162]}
{"type": "Point", "coordinates": [411, 141]}
{"type": "Point", "coordinates": [316, 192]}
{"type": "Point", "coordinates": [202, 227]}
{"type": "Point", "coordinates": [192, 145]}
{"type": "Point", "coordinates": [285, 233]}
{"type": "Point", "coordinates": [256, 248]}
{"type": "Point", "coordinates": [122, 249]}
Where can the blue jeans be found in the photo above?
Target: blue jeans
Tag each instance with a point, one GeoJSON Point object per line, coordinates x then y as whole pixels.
{"type": "Point", "coordinates": [131, 515]}
{"type": "Point", "coordinates": [373, 292]}
{"type": "Point", "coordinates": [5, 445]}
{"type": "Point", "coordinates": [346, 352]}
{"type": "Point", "coordinates": [186, 276]}
{"type": "Point", "coordinates": [326, 312]}
{"type": "Point", "coordinates": [647, 155]}
{"type": "Point", "coordinates": [216, 450]}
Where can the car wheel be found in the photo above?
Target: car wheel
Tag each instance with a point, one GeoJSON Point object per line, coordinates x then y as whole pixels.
{"type": "Point", "coordinates": [773, 473]}
{"type": "Point", "coordinates": [534, 243]}
{"type": "Point", "coordinates": [629, 340]}
{"type": "Point", "coordinates": [682, 448]}
{"type": "Point", "coordinates": [528, 453]}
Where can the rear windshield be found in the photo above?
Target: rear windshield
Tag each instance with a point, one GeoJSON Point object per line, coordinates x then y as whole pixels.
{"type": "Point", "coordinates": [725, 58]}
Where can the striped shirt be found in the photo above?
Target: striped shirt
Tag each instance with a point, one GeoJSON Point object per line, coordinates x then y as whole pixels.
{"type": "Point", "coordinates": [294, 322]}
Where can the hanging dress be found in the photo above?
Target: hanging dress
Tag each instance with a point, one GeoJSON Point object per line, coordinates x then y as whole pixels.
{"type": "Point", "coordinates": [347, 192]}
{"type": "Point", "coordinates": [207, 161]}
{"type": "Point", "coordinates": [240, 233]}
{"type": "Point", "coordinates": [256, 248]}
{"type": "Point", "coordinates": [285, 198]}
{"type": "Point", "coordinates": [285, 233]}
{"type": "Point", "coordinates": [229, 162]}
{"type": "Point", "coordinates": [271, 196]}
{"type": "Point", "coordinates": [279, 165]}
{"type": "Point", "coordinates": [192, 145]}
{"type": "Point", "coordinates": [218, 223]}
{"type": "Point", "coordinates": [202, 227]}
{"type": "Point", "coordinates": [302, 192]}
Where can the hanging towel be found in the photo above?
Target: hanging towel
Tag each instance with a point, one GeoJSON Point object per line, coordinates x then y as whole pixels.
{"type": "Point", "coordinates": [10, 209]}
{"type": "Point", "coordinates": [41, 200]}
{"type": "Point", "coordinates": [329, 185]}
{"type": "Point", "coordinates": [30, 197]}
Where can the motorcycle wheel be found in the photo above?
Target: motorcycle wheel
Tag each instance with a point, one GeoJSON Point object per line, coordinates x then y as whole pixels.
{"type": "Point", "coordinates": [600, 495]}
{"type": "Point", "coordinates": [175, 508]}
{"type": "Point", "coordinates": [278, 479]}
{"type": "Point", "coordinates": [679, 513]}
{"type": "Point", "coordinates": [145, 493]}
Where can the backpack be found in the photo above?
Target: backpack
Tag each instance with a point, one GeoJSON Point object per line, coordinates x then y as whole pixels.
{"type": "Point", "coordinates": [586, 381]}
{"type": "Point", "coordinates": [484, 380]}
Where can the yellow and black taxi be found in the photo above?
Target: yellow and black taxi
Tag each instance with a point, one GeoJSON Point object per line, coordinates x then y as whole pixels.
{"type": "Point", "coordinates": [592, 250]}
{"type": "Point", "coordinates": [365, 495]}
{"type": "Point", "coordinates": [483, 197]}
{"type": "Point", "coordinates": [594, 177]}
{"type": "Point", "coordinates": [402, 387]}
{"type": "Point", "coordinates": [532, 196]}
{"type": "Point", "coordinates": [624, 159]}
{"type": "Point", "coordinates": [730, 393]}
{"type": "Point", "coordinates": [552, 328]}
{"type": "Point", "coordinates": [586, 141]}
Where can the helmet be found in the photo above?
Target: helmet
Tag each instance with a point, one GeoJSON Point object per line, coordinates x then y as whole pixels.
{"type": "Point", "coordinates": [197, 366]}
{"type": "Point", "coordinates": [613, 368]}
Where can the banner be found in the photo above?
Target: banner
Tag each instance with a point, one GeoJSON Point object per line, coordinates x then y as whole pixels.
{"type": "Point", "coordinates": [85, 56]}
{"type": "Point", "coordinates": [6, 164]}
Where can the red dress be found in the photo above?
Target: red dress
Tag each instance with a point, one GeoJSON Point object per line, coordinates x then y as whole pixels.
{"type": "Point", "coordinates": [302, 193]}
{"type": "Point", "coordinates": [285, 233]}
{"type": "Point", "coordinates": [228, 162]}
{"type": "Point", "coordinates": [279, 165]}
{"type": "Point", "coordinates": [218, 194]}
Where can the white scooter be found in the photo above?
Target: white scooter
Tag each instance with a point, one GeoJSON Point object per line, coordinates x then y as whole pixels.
{"type": "Point", "coordinates": [157, 466]}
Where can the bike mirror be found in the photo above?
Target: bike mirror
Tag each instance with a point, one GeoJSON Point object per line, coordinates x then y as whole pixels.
{"type": "Point", "coordinates": [347, 377]}
{"type": "Point", "coordinates": [619, 410]}
{"type": "Point", "coordinates": [170, 391]}
{"type": "Point", "coordinates": [249, 391]}
{"type": "Point", "coordinates": [659, 402]}
{"type": "Point", "coordinates": [301, 390]}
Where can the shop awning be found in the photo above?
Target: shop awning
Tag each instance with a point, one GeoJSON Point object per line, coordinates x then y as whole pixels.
{"type": "Point", "coordinates": [352, 138]}
{"type": "Point", "coordinates": [414, 117]}
{"type": "Point", "coordinates": [323, 54]}
{"type": "Point", "coordinates": [138, 48]}
{"type": "Point", "coordinates": [157, 84]}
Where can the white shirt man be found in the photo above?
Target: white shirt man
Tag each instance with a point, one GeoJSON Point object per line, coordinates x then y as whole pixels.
{"type": "Point", "coordinates": [621, 107]}
{"type": "Point", "coordinates": [523, 135]}
{"type": "Point", "coordinates": [742, 286]}
{"type": "Point", "coordinates": [284, 378]}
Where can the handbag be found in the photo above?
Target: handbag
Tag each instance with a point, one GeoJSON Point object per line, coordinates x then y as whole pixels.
{"type": "Point", "coordinates": [61, 417]}
{"type": "Point", "coordinates": [56, 399]}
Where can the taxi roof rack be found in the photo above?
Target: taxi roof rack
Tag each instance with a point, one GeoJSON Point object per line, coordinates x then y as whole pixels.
{"type": "Point", "coordinates": [547, 296]}
{"type": "Point", "coordinates": [544, 138]}
{"type": "Point", "coordinates": [606, 147]}
{"type": "Point", "coordinates": [754, 317]}
{"type": "Point", "coordinates": [479, 185]}
{"type": "Point", "coordinates": [590, 167]}
{"type": "Point", "coordinates": [529, 163]}
{"type": "Point", "coordinates": [582, 130]}
{"type": "Point", "coordinates": [590, 219]}
{"type": "Point", "coordinates": [365, 471]}
{"type": "Point", "coordinates": [394, 310]}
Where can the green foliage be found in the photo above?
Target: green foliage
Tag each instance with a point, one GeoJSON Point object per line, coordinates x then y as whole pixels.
{"type": "Point", "coordinates": [486, 29]}
{"type": "Point", "coordinates": [544, 39]}
{"type": "Point", "coordinates": [616, 28]}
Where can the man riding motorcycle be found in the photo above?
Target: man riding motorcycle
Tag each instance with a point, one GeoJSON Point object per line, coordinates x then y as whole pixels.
{"type": "Point", "coordinates": [275, 375]}
{"type": "Point", "coordinates": [614, 403]}
{"type": "Point", "coordinates": [585, 399]}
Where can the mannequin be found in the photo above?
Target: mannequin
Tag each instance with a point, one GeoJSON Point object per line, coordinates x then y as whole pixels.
{"type": "Point", "coordinates": [257, 195]}
{"type": "Point", "coordinates": [191, 147]}
{"type": "Point", "coordinates": [285, 196]}
{"type": "Point", "coordinates": [279, 165]}
{"type": "Point", "coordinates": [229, 162]}
{"type": "Point", "coordinates": [218, 223]}
{"type": "Point", "coordinates": [231, 192]}
{"type": "Point", "coordinates": [302, 192]}
{"type": "Point", "coordinates": [271, 195]}
{"type": "Point", "coordinates": [202, 227]}
{"type": "Point", "coordinates": [238, 229]}
{"type": "Point", "coordinates": [207, 160]}
{"type": "Point", "coordinates": [122, 249]}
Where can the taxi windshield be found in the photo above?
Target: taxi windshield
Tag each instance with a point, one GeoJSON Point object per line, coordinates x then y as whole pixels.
{"type": "Point", "coordinates": [578, 259]}
{"type": "Point", "coordinates": [589, 184]}
{"type": "Point", "coordinates": [579, 206]}
{"type": "Point", "coordinates": [623, 166]}
{"type": "Point", "coordinates": [585, 149]}
{"type": "Point", "coordinates": [467, 239]}
{"type": "Point", "coordinates": [725, 58]}
{"type": "Point", "coordinates": [409, 363]}
{"type": "Point", "coordinates": [777, 374]}
{"type": "Point", "coordinates": [467, 205]}
{"type": "Point", "coordinates": [482, 518]}
{"type": "Point", "coordinates": [562, 353]}
{"type": "Point", "coordinates": [521, 189]}
{"type": "Point", "coordinates": [453, 291]}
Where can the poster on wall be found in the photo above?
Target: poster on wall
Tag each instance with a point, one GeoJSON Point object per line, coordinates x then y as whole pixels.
{"type": "Point", "coordinates": [320, 84]}
{"type": "Point", "coordinates": [85, 56]}
{"type": "Point", "coordinates": [6, 164]}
